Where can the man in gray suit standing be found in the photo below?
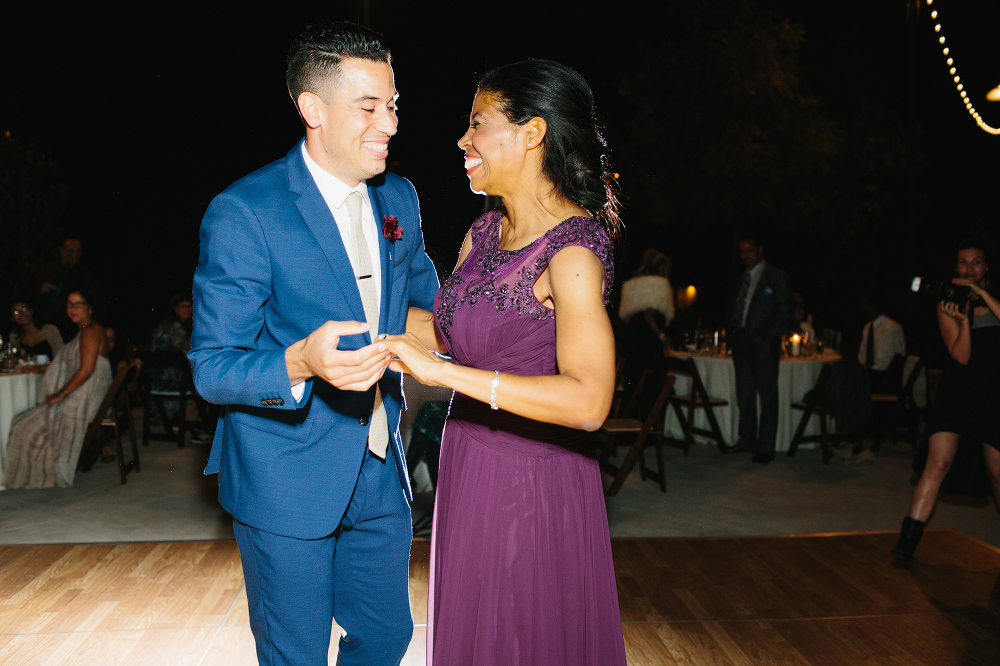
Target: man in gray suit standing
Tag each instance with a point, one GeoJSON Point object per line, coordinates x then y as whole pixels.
{"type": "Point", "coordinates": [761, 313]}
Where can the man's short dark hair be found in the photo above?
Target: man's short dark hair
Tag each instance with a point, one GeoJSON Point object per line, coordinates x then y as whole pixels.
{"type": "Point", "coordinates": [315, 55]}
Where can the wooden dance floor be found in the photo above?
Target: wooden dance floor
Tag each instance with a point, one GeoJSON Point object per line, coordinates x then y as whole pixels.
{"type": "Point", "coordinates": [779, 600]}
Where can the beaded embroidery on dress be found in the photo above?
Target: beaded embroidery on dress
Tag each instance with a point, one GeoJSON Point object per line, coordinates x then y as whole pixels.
{"type": "Point", "coordinates": [507, 288]}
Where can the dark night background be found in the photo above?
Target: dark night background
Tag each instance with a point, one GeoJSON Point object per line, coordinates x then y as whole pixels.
{"type": "Point", "coordinates": [834, 125]}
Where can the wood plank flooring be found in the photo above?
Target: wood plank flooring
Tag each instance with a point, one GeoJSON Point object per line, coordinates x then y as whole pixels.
{"type": "Point", "coordinates": [814, 600]}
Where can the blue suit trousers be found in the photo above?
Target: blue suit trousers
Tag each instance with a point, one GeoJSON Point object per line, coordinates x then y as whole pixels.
{"type": "Point", "coordinates": [359, 575]}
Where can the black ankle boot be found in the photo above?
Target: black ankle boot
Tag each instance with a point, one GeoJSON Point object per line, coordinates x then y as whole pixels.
{"type": "Point", "coordinates": [909, 537]}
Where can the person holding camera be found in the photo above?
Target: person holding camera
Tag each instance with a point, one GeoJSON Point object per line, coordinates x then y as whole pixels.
{"type": "Point", "coordinates": [968, 393]}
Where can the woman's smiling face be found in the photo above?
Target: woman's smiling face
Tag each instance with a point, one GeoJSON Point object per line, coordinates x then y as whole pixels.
{"type": "Point", "coordinates": [494, 157]}
{"type": "Point", "coordinates": [972, 265]}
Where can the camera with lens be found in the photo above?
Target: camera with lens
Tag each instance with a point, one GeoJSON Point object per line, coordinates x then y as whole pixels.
{"type": "Point", "coordinates": [941, 290]}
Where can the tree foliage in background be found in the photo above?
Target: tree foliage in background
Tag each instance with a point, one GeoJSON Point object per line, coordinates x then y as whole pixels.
{"type": "Point", "coordinates": [33, 200]}
{"type": "Point", "coordinates": [725, 135]}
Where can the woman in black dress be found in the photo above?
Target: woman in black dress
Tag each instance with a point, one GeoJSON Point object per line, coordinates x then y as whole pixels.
{"type": "Point", "coordinates": [968, 395]}
{"type": "Point", "coordinates": [34, 340]}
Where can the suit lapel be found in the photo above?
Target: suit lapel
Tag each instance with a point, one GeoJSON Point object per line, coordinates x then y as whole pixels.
{"type": "Point", "coordinates": [324, 228]}
{"type": "Point", "coordinates": [385, 256]}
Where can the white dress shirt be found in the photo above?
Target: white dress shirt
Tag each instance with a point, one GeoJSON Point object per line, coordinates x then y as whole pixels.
{"type": "Point", "coordinates": [334, 192]}
{"type": "Point", "coordinates": [889, 341]}
{"type": "Point", "coordinates": [755, 274]}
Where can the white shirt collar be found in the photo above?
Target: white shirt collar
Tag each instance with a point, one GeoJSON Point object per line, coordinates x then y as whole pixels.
{"type": "Point", "coordinates": [333, 189]}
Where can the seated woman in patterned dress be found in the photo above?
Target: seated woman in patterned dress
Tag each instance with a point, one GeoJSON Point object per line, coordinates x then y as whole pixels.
{"type": "Point", "coordinates": [45, 441]}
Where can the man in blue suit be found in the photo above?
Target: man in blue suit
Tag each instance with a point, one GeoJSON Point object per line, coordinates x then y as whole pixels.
{"type": "Point", "coordinates": [761, 313]}
{"type": "Point", "coordinates": [303, 263]}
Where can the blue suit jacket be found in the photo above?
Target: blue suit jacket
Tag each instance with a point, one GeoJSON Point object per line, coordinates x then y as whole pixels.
{"type": "Point", "coordinates": [272, 268]}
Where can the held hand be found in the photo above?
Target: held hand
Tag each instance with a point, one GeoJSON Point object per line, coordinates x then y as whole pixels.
{"type": "Point", "coordinates": [953, 311]}
{"type": "Point", "coordinates": [318, 356]}
{"type": "Point", "coordinates": [414, 359]}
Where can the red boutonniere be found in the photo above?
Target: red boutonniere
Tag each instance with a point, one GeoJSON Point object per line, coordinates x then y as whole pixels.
{"type": "Point", "coordinates": [391, 228]}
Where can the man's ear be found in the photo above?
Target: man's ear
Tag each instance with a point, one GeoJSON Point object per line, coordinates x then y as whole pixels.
{"type": "Point", "coordinates": [536, 129]}
{"type": "Point", "coordinates": [310, 108]}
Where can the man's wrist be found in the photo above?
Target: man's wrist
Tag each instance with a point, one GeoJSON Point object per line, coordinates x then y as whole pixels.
{"type": "Point", "coordinates": [295, 364]}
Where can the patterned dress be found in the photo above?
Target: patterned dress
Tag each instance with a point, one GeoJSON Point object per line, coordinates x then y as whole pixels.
{"type": "Point", "coordinates": [44, 443]}
{"type": "Point", "coordinates": [521, 568]}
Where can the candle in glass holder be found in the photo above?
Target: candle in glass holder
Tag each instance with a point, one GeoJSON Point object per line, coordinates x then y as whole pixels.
{"type": "Point", "coordinates": [795, 345]}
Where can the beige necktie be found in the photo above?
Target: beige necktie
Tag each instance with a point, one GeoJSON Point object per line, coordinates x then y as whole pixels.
{"type": "Point", "coordinates": [378, 429]}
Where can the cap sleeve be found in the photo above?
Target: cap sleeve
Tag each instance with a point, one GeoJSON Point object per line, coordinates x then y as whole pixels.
{"type": "Point", "coordinates": [583, 232]}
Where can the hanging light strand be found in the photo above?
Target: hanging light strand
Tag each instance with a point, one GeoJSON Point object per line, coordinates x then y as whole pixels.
{"type": "Point", "coordinates": [953, 70]}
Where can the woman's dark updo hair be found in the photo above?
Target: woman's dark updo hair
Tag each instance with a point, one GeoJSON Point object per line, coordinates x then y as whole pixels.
{"type": "Point", "coordinates": [574, 149]}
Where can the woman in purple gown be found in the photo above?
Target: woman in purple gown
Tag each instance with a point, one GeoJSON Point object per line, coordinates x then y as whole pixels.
{"type": "Point", "coordinates": [521, 568]}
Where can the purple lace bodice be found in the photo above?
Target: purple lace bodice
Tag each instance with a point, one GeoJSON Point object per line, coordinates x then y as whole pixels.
{"type": "Point", "coordinates": [487, 311]}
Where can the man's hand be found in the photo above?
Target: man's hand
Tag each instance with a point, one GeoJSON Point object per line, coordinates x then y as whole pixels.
{"type": "Point", "coordinates": [318, 356]}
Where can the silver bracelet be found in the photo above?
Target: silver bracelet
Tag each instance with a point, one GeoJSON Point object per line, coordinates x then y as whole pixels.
{"type": "Point", "coordinates": [494, 383]}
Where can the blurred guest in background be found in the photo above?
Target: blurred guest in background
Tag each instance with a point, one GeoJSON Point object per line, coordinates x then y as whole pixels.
{"type": "Point", "coordinates": [173, 335]}
{"type": "Point", "coordinates": [878, 350]}
{"type": "Point", "coordinates": [35, 341]}
{"type": "Point", "coordinates": [801, 322]}
{"type": "Point", "coordinates": [761, 313]}
{"type": "Point", "coordinates": [967, 396]}
{"type": "Point", "coordinates": [45, 441]}
{"type": "Point", "coordinates": [53, 282]}
{"type": "Point", "coordinates": [116, 352]}
{"type": "Point", "coordinates": [647, 308]}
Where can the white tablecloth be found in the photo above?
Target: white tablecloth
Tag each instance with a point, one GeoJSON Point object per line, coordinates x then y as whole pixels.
{"type": "Point", "coordinates": [17, 393]}
{"type": "Point", "coordinates": [795, 377]}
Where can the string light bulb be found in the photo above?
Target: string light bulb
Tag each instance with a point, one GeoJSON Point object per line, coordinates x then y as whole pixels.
{"type": "Point", "coordinates": [993, 95]}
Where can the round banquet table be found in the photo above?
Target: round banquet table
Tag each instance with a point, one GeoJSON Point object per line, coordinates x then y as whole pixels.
{"type": "Point", "coordinates": [795, 377]}
{"type": "Point", "coordinates": [18, 392]}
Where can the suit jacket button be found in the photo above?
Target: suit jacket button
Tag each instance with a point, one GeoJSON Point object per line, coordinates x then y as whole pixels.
{"type": "Point", "coordinates": [279, 401]}
{"type": "Point", "coordinates": [263, 402]}
{"type": "Point", "coordinates": [363, 420]}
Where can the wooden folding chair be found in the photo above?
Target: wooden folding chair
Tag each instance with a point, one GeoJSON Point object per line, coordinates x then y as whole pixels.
{"type": "Point", "coordinates": [902, 403]}
{"type": "Point", "coordinates": [174, 429]}
{"type": "Point", "coordinates": [696, 398]}
{"type": "Point", "coordinates": [115, 406]}
{"type": "Point", "coordinates": [653, 424]}
{"type": "Point", "coordinates": [814, 402]}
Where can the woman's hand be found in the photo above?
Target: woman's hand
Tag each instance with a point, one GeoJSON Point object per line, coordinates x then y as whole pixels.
{"type": "Point", "coordinates": [953, 310]}
{"type": "Point", "coordinates": [53, 399]}
{"type": "Point", "coordinates": [976, 288]}
{"type": "Point", "coordinates": [413, 358]}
